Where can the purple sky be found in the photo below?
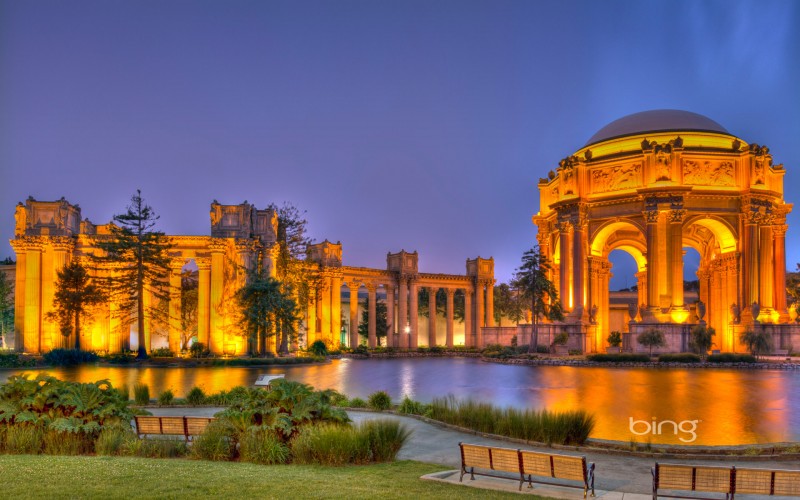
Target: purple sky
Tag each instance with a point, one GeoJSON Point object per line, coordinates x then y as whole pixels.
{"type": "Point", "coordinates": [395, 124]}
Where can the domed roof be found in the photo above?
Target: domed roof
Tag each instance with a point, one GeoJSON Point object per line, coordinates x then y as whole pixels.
{"type": "Point", "coordinates": [657, 120]}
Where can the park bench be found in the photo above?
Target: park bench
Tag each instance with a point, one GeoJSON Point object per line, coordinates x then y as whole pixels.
{"type": "Point", "coordinates": [780, 352]}
{"type": "Point", "coordinates": [527, 466]}
{"type": "Point", "coordinates": [727, 480]}
{"type": "Point", "coordinates": [171, 426]}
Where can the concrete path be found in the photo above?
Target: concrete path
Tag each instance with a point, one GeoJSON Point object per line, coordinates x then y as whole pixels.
{"type": "Point", "coordinates": [616, 477]}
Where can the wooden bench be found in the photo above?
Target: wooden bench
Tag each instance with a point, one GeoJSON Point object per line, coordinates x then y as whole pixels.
{"type": "Point", "coordinates": [727, 480]}
{"type": "Point", "coordinates": [171, 426]}
{"type": "Point", "coordinates": [526, 465]}
{"type": "Point", "coordinates": [780, 352]}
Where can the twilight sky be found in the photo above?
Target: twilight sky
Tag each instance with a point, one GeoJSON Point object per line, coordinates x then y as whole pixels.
{"type": "Point", "coordinates": [416, 125]}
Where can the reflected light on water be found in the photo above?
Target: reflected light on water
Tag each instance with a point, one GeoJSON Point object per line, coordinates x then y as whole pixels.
{"type": "Point", "coordinates": [732, 407]}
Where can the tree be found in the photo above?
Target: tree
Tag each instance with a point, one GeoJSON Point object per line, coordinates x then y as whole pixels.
{"type": "Point", "coordinates": [532, 282]}
{"type": "Point", "coordinates": [507, 304]}
{"type": "Point", "coordinates": [441, 304]}
{"type": "Point", "coordinates": [134, 260]}
{"type": "Point", "coordinates": [267, 310]}
{"type": "Point", "coordinates": [381, 321]}
{"type": "Point", "coordinates": [189, 301]}
{"type": "Point", "coordinates": [757, 342]}
{"type": "Point", "coordinates": [293, 269]}
{"type": "Point", "coordinates": [701, 339]}
{"type": "Point", "coordinates": [75, 294]}
{"type": "Point", "coordinates": [652, 337]}
{"type": "Point", "coordinates": [793, 289]}
{"type": "Point", "coordinates": [6, 307]}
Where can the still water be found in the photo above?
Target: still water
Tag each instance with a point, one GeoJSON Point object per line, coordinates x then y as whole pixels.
{"type": "Point", "coordinates": [698, 407]}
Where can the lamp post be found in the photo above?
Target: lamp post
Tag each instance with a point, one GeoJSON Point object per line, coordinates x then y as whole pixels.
{"type": "Point", "coordinates": [407, 331]}
{"type": "Point", "coordinates": [343, 336]}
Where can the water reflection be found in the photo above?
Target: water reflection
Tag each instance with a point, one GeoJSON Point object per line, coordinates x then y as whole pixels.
{"type": "Point", "coordinates": [731, 407]}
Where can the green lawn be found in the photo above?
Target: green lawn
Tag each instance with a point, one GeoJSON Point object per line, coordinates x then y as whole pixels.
{"type": "Point", "coordinates": [39, 476]}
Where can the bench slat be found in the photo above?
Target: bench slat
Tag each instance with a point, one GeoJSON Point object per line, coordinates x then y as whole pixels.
{"type": "Point", "coordinates": [536, 464]}
{"type": "Point", "coordinates": [787, 482]}
{"type": "Point", "coordinates": [476, 456]}
{"type": "Point", "coordinates": [755, 481]}
{"type": "Point", "coordinates": [505, 460]}
{"type": "Point", "coordinates": [565, 467]}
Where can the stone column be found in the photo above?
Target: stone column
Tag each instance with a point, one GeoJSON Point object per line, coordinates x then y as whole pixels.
{"type": "Point", "coordinates": [33, 309]}
{"type": "Point", "coordinates": [752, 282]}
{"type": "Point", "coordinates": [115, 341]}
{"type": "Point", "coordinates": [19, 295]}
{"type": "Point", "coordinates": [402, 311]}
{"type": "Point", "coordinates": [479, 313]}
{"type": "Point", "coordinates": [390, 319]}
{"type": "Point", "coordinates": [490, 303]}
{"type": "Point", "coordinates": [354, 286]}
{"type": "Point", "coordinates": [675, 275]}
{"type": "Point", "coordinates": [175, 267]}
{"type": "Point", "coordinates": [563, 267]}
{"type": "Point", "coordinates": [449, 339]}
{"type": "Point", "coordinates": [372, 315]}
{"type": "Point", "coordinates": [641, 289]}
{"type": "Point", "coordinates": [432, 316]}
{"type": "Point", "coordinates": [311, 319]}
{"type": "Point", "coordinates": [779, 254]}
{"type": "Point", "coordinates": [651, 235]}
{"type": "Point", "coordinates": [469, 339]}
{"type": "Point", "coordinates": [413, 312]}
{"type": "Point", "coordinates": [767, 272]}
{"type": "Point", "coordinates": [215, 325]}
{"type": "Point", "coordinates": [336, 306]}
{"type": "Point", "coordinates": [49, 334]}
{"type": "Point", "coordinates": [324, 312]}
{"type": "Point", "coordinates": [203, 298]}
{"type": "Point", "coordinates": [578, 269]}
{"type": "Point", "coordinates": [62, 253]}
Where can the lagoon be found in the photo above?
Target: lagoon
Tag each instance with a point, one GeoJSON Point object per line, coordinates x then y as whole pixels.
{"type": "Point", "coordinates": [729, 406]}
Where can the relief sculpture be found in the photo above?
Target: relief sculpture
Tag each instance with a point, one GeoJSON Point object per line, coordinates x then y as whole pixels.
{"type": "Point", "coordinates": [616, 178]}
{"type": "Point", "coordinates": [708, 174]}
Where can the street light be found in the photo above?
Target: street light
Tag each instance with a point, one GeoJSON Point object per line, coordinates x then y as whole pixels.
{"type": "Point", "coordinates": [407, 329]}
{"type": "Point", "coordinates": [343, 336]}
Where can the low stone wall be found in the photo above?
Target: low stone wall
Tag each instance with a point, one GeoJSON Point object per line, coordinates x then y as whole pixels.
{"type": "Point", "coordinates": [652, 364]}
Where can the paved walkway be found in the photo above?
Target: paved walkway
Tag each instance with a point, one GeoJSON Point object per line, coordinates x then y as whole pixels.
{"type": "Point", "coordinates": [616, 476]}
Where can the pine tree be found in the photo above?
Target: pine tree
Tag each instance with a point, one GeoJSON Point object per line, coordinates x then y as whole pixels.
{"type": "Point", "coordinates": [533, 284]}
{"type": "Point", "coordinates": [134, 260]}
{"type": "Point", "coordinates": [75, 294]}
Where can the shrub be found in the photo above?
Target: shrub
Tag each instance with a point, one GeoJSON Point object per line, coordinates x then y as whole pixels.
{"type": "Point", "coordinates": [409, 406]}
{"type": "Point", "coordinates": [542, 349]}
{"type": "Point", "coordinates": [614, 339]}
{"type": "Point", "coordinates": [162, 352]}
{"type": "Point", "coordinates": [318, 348]}
{"type": "Point", "coordinates": [561, 339]}
{"type": "Point", "coordinates": [701, 339]}
{"type": "Point", "coordinates": [67, 443]}
{"type": "Point", "coordinates": [435, 349]}
{"type": "Point", "coordinates": [13, 360]}
{"type": "Point", "coordinates": [759, 342]}
{"type": "Point", "coordinates": [196, 396]}
{"type": "Point", "coordinates": [262, 447]}
{"type": "Point", "coordinates": [124, 392]}
{"type": "Point", "coordinates": [335, 398]}
{"type": "Point", "coordinates": [166, 398]}
{"type": "Point", "coordinates": [357, 403]}
{"type": "Point", "coordinates": [141, 394]}
{"type": "Point", "coordinates": [24, 439]}
{"type": "Point", "coordinates": [683, 357]}
{"type": "Point", "coordinates": [120, 358]}
{"type": "Point", "coordinates": [730, 357]}
{"type": "Point", "coordinates": [112, 439]}
{"type": "Point", "coordinates": [67, 357]}
{"type": "Point", "coordinates": [198, 350]}
{"type": "Point", "coordinates": [570, 427]}
{"type": "Point", "coordinates": [215, 443]}
{"type": "Point", "coordinates": [619, 358]}
{"type": "Point", "coordinates": [380, 401]}
{"type": "Point", "coordinates": [575, 352]}
{"type": "Point", "coordinates": [361, 349]}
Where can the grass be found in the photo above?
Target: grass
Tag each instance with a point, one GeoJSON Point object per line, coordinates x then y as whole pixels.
{"type": "Point", "coordinates": [49, 477]}
{"type": "Point", "coordinates": [567, 427]}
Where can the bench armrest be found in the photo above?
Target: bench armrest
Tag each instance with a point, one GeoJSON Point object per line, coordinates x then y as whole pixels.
{"type": "Point", "coordinates": [590, 476]}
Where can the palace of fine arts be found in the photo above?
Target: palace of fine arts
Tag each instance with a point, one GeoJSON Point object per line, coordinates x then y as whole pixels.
{"type": "Point", "coordinates": [400, 249]}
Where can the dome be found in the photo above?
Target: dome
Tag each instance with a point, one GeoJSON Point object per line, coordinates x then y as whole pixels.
{"type": "Point", "coordinates": [657, 120]}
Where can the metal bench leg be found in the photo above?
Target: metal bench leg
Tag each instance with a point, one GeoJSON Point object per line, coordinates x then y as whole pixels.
{"type": "Point", "coordinates": [472, 473]}
{"type": "Point", "coordinates": [463, 471]}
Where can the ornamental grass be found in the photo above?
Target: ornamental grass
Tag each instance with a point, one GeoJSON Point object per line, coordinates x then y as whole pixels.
{"type": "Point", "coordinates": [570, 427]}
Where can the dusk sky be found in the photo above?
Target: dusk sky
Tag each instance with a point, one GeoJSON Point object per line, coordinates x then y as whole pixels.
{"type": "Point", "coordinates": [416, 125]}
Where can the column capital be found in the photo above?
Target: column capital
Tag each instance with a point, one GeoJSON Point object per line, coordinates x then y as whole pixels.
{"type": "Point", "coordinates": [779, 230]}
{"type": "Point", "coordinates": [176, 264]}
{"type": "Point", "coordinates": [676, 216]}
{"type": "Point", "coordinates": [450, 292]}
{"type": "Point", "coordinates": [354, 285]}
{"type": "Point", "coordinates": [216, 246]}
{"type": "Point", "coordinates": [650, 216]}
{"type": "Point", "coordinates": [371, 287]}
{"type": "Point", "coordinates": [203, 263]}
